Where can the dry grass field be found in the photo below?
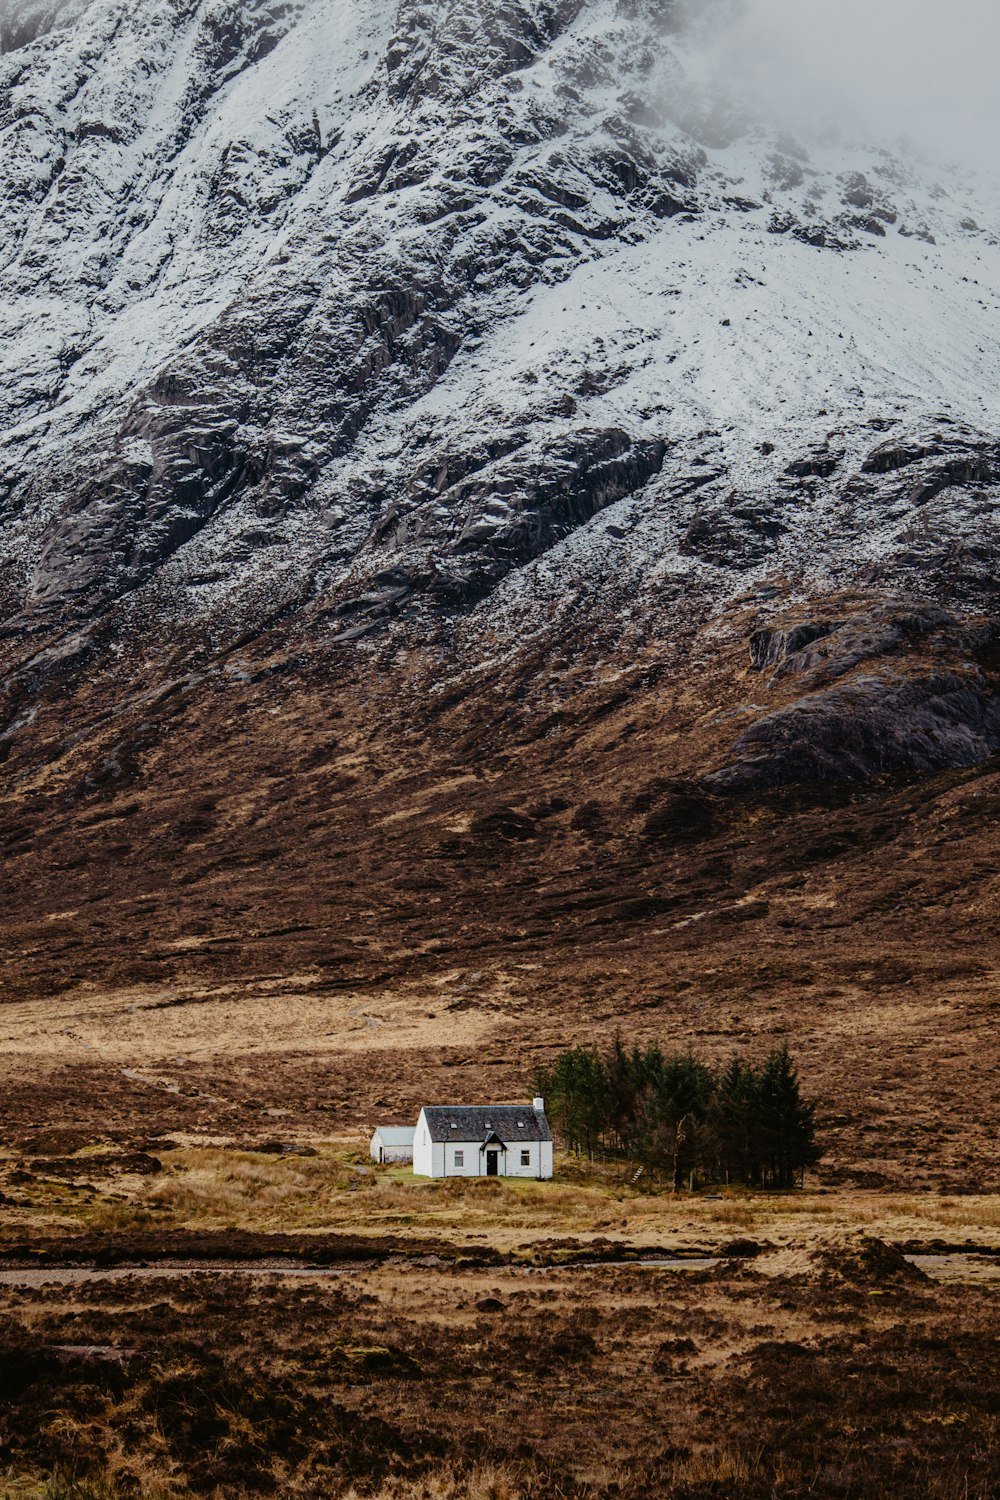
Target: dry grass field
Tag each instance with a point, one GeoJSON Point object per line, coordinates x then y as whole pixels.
{"type": "Point", "coordinates": [331, 1188]}
{"type": "Point", "coordinates": [904, 1071]}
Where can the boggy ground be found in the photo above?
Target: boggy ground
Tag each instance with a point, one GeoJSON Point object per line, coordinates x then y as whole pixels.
{"type": "Point", "coordinates": [839, 1372]}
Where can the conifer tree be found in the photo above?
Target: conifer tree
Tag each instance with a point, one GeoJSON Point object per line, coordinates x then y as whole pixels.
{"type": "Point", "coordinates": [621, 1085]}
{"type": "Point", "coordinates": [734, 1123]}
{"type": "Point", "coordinates": [788, 1136]}
{"type": "Point", "coordinates": [681, 1093]}
{"type": "Point", "coordinates": [574, 1089]}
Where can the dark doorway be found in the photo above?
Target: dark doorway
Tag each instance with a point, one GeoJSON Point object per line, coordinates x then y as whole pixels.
{"type": "Point", "coordinates": [491, 1163]}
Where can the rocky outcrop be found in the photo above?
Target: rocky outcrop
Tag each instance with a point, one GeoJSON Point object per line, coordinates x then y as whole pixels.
{"type": "Point", "coordinates": [817, 652]}
{"type": "Point", "coordinates": [773, 645]}
{"type": "Point", "coordinates": [894, 690]}
{"type": "Point", "coordinates": [865, 729]}
{"type": "Point", "coordinates": [455, 541]}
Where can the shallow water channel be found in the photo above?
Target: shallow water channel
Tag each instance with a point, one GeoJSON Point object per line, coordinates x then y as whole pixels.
{"type": "Point", "coordinates": [954, 1266]}
{"type": "Point", "coordinates": [37, 1276]}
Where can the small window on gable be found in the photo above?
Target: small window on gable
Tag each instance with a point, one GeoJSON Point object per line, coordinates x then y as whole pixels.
{"type": "Point", "coordinates": [520, 1124]}
{"type": "Point", "coordinates": [460, 1158]}
{"type": "Point", "coordinates": [525, 1158]}
{"type": "Point", "coordinates": [453, 1125]}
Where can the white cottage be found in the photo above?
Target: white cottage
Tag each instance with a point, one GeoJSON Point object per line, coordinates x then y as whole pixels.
{"type": "Point", "coordinates": [489, 1140]}
{"type": "Point", "coordinates": [392, 1143]}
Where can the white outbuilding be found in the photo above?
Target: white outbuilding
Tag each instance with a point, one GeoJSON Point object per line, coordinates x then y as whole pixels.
{"type": "Point", "coordinates": [486, 1140]}
{"type": "Point", "coordinates": [392, 1143]}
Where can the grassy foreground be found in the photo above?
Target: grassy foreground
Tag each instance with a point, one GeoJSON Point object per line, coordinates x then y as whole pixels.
{"type": "Point", "coordinates": [332, 1187]}
{"type": "Point", "coordinates": [474, 1340]}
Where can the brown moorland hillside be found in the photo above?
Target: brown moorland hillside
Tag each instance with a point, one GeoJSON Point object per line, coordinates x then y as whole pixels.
{"type": "Point", "coordinates": [335, 881]}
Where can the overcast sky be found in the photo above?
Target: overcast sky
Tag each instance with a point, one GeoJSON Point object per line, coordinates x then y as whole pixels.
{"type": "Point", "coordinates": [929, 69]}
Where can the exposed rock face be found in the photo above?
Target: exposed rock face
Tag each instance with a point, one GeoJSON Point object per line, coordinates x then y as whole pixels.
{"type": "Point", "coordinates": [925, 700]}
{"type": "Point", "coordinates": [869, 728]}
{"type": "Point", "coordinates": [455, 542]}
{"type": "Point", "coordinates": [317, 259]}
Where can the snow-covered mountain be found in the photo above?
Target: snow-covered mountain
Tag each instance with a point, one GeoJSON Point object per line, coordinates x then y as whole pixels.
{"type": "Point", "coordinates": [435, 323]}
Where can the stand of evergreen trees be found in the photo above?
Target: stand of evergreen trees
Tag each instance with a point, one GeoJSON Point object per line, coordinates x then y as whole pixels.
{"type": "Point", "coordinates": [679, 1117]}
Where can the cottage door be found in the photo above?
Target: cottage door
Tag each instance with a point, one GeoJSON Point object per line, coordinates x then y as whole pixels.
{"type": "Point", "coordinates": [492, 1158]}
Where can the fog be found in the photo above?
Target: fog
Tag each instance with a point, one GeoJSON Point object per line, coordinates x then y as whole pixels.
{"type": "Point", "coordinates": [923, 70]}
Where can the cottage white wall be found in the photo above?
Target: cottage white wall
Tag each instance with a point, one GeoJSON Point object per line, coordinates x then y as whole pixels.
{"type": "Point", "coordinates": [474, 1163]}
{"type": "Point", "coordinates": [423, 1151]}
{"type": "Point", "coordinates": [437, 1158]}
{"type": "Point", "coordinates": [540, 1153]}
{"type": "Point", "coordinates": [509, 1162]}
{"type": "Point", "coordinates": [514, 1167]}
{"type": "Point", "coordinates": [470, 1151]}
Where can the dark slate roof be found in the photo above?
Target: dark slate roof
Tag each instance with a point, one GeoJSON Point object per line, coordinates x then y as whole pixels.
{"type": "Point", "coordinates": [474, 1122]}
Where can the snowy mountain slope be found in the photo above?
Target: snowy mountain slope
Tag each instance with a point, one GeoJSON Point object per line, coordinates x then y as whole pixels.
{"type": "Point", "coordinates": [402, 319]}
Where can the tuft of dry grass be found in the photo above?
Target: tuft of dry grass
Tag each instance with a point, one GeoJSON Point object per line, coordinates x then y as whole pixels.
{"type": "Point", "coordinates": [62, 1485]}
{"type": "Point", "coordinates": [728, 1469]}
{"type": "Point", "coordinates": [483, 1482]}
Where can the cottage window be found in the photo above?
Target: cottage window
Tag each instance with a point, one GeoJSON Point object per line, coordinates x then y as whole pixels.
{"type": "Point", "coordinates": [460, 1158]}
{"type": "Point", "coordinates": [525, 1158]}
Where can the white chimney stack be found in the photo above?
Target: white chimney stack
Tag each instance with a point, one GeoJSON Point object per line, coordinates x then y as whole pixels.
{"type": "Point", "coordinates": [539, 1105]}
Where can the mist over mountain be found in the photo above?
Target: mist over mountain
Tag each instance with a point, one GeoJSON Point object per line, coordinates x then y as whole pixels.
{"type": "Point", "coordinates": [909, 73]}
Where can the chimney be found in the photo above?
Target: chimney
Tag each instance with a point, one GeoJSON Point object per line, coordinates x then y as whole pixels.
{"type": "Point", "coordinates": [538, 1105]}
